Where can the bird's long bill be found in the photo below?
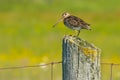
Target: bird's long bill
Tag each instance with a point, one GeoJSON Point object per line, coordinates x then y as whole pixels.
{"type": "Point", "coordinates": [58, 21]}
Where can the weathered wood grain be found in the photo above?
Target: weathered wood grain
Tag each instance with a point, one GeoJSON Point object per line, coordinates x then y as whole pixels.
{"type": "Point", "coordinates": [80, 59]}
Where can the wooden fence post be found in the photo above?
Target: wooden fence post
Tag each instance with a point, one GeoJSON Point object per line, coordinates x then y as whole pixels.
{"type": "Point", "coordinates": [80, 59]}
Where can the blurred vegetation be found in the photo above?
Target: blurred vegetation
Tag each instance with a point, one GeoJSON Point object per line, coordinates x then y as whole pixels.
{"type": "Point", "coordinates": [27, 36]}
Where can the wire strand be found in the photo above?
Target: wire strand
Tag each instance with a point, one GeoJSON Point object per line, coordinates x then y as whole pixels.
{"type": "Point", "coordinates": [17, 67]}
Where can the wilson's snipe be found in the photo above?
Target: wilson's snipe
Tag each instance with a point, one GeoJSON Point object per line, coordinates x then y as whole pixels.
{"type": "Point", "coordinates": [73, 22]}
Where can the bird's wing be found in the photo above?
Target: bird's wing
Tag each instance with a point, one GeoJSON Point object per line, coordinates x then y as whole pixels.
{"type": "Point", "coordinates": [80, 22]}
{"type": "Point", "coordinates": [72, 21]}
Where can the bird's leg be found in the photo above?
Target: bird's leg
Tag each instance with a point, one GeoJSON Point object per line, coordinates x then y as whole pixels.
{"type": "Point", "coordinates": [78, 33]}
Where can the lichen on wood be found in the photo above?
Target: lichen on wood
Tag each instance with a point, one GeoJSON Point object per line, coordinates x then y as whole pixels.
{"type": "Point", "coordinates": [81, 59]}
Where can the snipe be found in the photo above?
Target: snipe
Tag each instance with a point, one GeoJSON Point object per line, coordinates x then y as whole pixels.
{"type": "Point", "coordinates": [73, 22]}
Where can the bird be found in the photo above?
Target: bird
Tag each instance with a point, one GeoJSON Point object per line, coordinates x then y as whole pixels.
{"type": "Point", "coordinates": [73, 22]}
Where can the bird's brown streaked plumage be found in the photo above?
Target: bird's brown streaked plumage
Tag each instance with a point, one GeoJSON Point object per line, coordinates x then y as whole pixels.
{"type": "Point", "coordinates": [74, 22]}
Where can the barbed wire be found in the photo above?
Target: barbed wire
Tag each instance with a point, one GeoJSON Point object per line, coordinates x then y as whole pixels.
{"type": "Point", "coordinates": [59, 62]}
{"type": "Point", "coordinates": [17, 67]}
{"type": "Point", "coordinates": [51, 63]}
{"type": "Point", "coordinates": [110, 63]}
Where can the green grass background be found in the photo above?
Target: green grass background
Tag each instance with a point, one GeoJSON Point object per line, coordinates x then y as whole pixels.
{"type": "Point", "coordinates": [27, 36]}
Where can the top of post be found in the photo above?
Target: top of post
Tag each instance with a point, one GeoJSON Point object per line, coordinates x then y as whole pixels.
{"type": "Point", "coordinates": [89, 49]}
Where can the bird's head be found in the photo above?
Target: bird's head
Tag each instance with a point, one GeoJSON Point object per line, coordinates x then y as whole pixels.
{"type": "Point", "coordinates": [64, 15]}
